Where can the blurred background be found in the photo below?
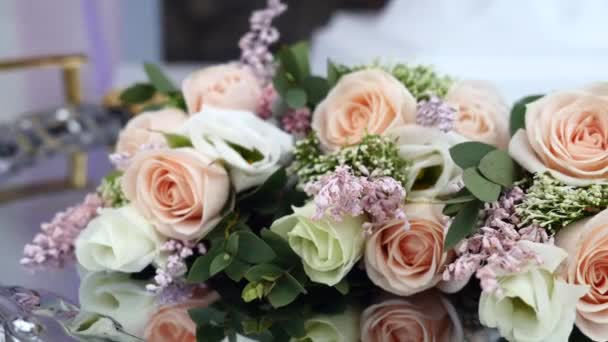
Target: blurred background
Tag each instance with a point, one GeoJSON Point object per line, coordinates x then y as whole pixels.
{"type": "Point", "coordinates": [523, 46]}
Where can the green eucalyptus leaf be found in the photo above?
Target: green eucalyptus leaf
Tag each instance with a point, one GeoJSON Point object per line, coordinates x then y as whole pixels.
{"type": "Point", "coordinates": [479, 186]}
{"type": "Point", "coordinates": [518, 113]}
{"type": "Point", "coordinates": [343, 286]}
{"type": "Point", "coordinates": [280, 82]}
{"type": "Point", "coordinates": [316, 89]}
{"type": "Point", "coordinates": [200, 270]}
{"type": "Point", "coordinates": [294, 327]}
{"type": "Point", "coordinates": [453, 208]}
{"type": "Point", "coordinates": [498, 167]}
{"type": "Point", "coordinates": [210, 333]}
{"type": "Point", "coordinates": [469, 154]}
{"type": "Point", "coordinates": [207, 315]}
{"type": "Point", "coordinates": [266, 272]}
{"type": "Point", "coordinates": [285, 291]}
{"type": "Point", "coordinates": [295, 61]}
{"type": "Point", "coordinates": [177, 140]}
{"type": "Point", "coordinates": [219, 263]}
{"type": "Point", "coordinates": [286, 257]}
{"type": "Point", "coordinates": [253, 249]}
{"type": "Point", "coordinates": [296, 98]}
{"type": "Point", "coordinates": [333, 74]}
{"type": "Point", "coordinates": [463, 224]}
{"type": "Point", "coordinates": [159, 80]}
{"type": "Point", "coordinates": [137, 93]}
{"type": "Point", "coordinates": [251, 156]}
{"type": "Point", "coordinates": [236, 270]}
{"type": "Point", "coordinates": [232, 244]}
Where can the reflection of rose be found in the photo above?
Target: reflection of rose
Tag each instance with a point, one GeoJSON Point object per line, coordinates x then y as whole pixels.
{"type": "Point", "coordinates": [369, 101]}
{"type": "Point", "coordinates": [425, 317]}
{"type": "Point", "coordinates": [343, 327]}
{"type": "Point", "coordinates": [482, 113]}
{"type": "Point", "coordinates": [172, 322]}
{"type": "Point", "coordinates": [431, 172]}
{"type": "Point", "coordinates": [225, 134]}
{"type": "Point", "coordinates": [329, 249]}
{"type": "Point", "coordinates": [118, 240]}
{"type": "Point", "coordinates": [533, 304]}
{"type": "Point", "coordinates": [228, 86]}
{"type": "Point", "coordinates": [144, 130]}
{"type": "Point", "coordinates": [586, 242]}
{"type": "Point", "coordinates": [407, 261]}
{"type": "Point", "coordinates": [567, 135]}
{"type": "Point", "coordinates": [118, 296]}
{"type": "Point", "coordinates": [180, 190]}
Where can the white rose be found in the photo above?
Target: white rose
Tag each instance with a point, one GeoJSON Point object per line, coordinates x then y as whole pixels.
{"type": "Point", "coordinates": [117, 296]}
{"type": "Point", "coordinates": [252, 148]}
{"type": "Point", "coordinates": [343, 327]}
{"type": "Point", "coordinates": [432, 172]}
{"type": "Point", "coordinates": [118, 240]}
{"type": "Point", "coordinates": [533, 305]}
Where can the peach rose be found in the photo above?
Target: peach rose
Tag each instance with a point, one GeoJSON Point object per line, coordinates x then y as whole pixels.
{"type": "Point", "coordinates": [407, 261]}
{"type": "Point", "coordinates": [364, 102]}
{"type": "Point", "coordinates": [172, 322]}
{"type": "Point", "coordinates": [426, 317]}
{"type": "Point", "coordinates": [482, 113]}
{"type": "Point", "coordinates": [143, 129]}
{"type": "Point", "coordinates": [227, 86]}
{"type": "Point", "coordinates": [566, 135]}
{"type": "Point", "coordinates": [586, 242]}
{"type": "Point", "coordinates": [181, 191]}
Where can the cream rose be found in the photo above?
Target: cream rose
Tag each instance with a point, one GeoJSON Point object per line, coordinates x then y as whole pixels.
{"type": "Point", "coordinates": [181, 191]}
{"type": "Point", "coordinates": [407, 261]}
{"type": "Point", "coordinates": [144, 130]}
{"type": "Point", "coordinates": [118, 296]}
{"type": "Point", "coordinates": [236, 137]}
{"type": "Point", "coordinates": [566, 135]}
{"type": "Point", "coordinates": [586, 242]}
{"type": "Point", "coordinates": [432, 171]}
{"type": "Point", "coordinates": [533, 304]}
{"type": "Point", "coordinates": [118, 240]}
{"type": "Point", "coordinates": [228, 86]}
{"type": "Point", "coordinates": [343, 327]}
{"type": "Point", "coordinates": [173, 323]}
{"type": "Point", "coordinates": [482, 113]}
{"type": "Point", "coordinates": [328, 249]}
{"type": "Point", "coordinates": [364, 102]}
{"type": "Point", "coordinates": [426, 317]}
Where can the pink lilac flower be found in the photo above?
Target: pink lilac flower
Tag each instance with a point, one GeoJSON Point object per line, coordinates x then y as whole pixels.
{"type": "Point", "coordinates": [168, 282]}
{"type": "Point", "coordinates": [436, 113]}
{"type": "Point", "coordinates": [55, 244]}
{"type": "Point", "coordinates": [269, 96]}
{"type": "Point", "coordinates": [297, 122]}
{"type": "Point", "coordinates": [341, 193]}
{"type": "Point", "coordinates": [255, 51]}
{"type": "Point", "coordinates": [494, 246]}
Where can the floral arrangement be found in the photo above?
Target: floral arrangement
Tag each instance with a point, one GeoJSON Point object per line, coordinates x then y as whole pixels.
{"type": "Point", "coordinates": [263, 201]}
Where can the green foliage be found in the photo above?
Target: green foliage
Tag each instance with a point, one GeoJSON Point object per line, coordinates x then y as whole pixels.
{"type": "Point", "coordinates": [376, 154]}
{"type": "Point", "coordinates": [479, 186]}
{"type": "Point", "coordinates": [176, 140]}
{"type": "Point", "coordinates": [158, 82]}
{"type": "Point", "coordinates": [469, 154]}
{"type": "Point", "coordinates": [137, 93]}
{"type": "Point", "coordinates": [110, 190]}
{"type": "Point", "coordinates": [463, 224]}
{"type": "Point", "coordinates": [518, 113]}
{"type": "Point", "coordinates": [420, 80]}
{"type": "Point", "coordinates": [553, 205]}
{"type": "Point", "coordinates": [498, 167]}
{"type": "Point", "coordinates": [251, 156]}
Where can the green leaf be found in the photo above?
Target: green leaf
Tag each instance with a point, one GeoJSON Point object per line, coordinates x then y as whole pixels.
{"type": "Point", "coordinates": [253, 249]}
{"type": "Point", "coordinates": [137, 93]}
{"type": "Point", "coordinates": [295, 61]}
{"type": "Point", "coordinates": [219, 263]}
{"type": "Point", "coordinates": [498, 167]}
{"type": "Point", "coordinates": [200, 270]}
{"type": "Point", "coordinates": [207, 315]}
{"type": "Point", "coordinates": [343, 287]}
{"type": "Point", "coordinates": [267, 272]}
{"type": "Point", "coordinates": [251, 156]}
{"type": "Point", "coordinates": [158, 79]}
{"type": "Point", "coordinates": [464, 223]}
{"type": "Point", "coordinates": [232, 244]}
{"type": "Point", "coordinates": [285, 255]}
{"type": "Point", "coordinates": [280, 82]}
{"type": "Point", "coordinates": [210, 333]}
{"type": "Point", "coordinates": [518, 113]}
{"type": "Point", "coordinates": [293, 327]}
{"type": "Point", "coordinates": [469, 154]}
{"type": "Point", "coordinates": [333, 74]}
{"type": "Point", "coordinates": [177, 140]}
{"type": "Point", "coordinates": [285, 291]}
{"type": "Point", "coordinates": [480, 187]}
{"type": "Point", "coordinates": [453, 208]}
{"type": "Point", "coordinates": [236, 270]}
{"type": "Point", "coordinates": [273, 184]}
{"type": "Point", "coordinates": [296, 98]}
{"type": "Point", "coordinates": [316, 89]}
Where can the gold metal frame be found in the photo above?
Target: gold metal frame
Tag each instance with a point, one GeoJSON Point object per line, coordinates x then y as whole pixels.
{"type": "Point", "coordinates": [70, 66]}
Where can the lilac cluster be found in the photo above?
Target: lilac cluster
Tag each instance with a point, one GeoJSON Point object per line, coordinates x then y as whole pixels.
{"type": "Point", "coordinates": [297, 122]}
{"type": "Point", "coordinates": [341, 193]}
{"type": "Point", "coordinates": [436, 113]}
{"type": "Point", "coordinates": [169, 283]}
{"type": "Point", "coordinates": [255, 44]}
{"type": "Point", "coordinates": [494, 246]}
{"type": "Point", "coordinates": [55, 244]}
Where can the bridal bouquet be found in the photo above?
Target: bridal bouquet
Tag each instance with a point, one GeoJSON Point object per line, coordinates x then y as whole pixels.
{"type": "Point", "coordinates": [263, 201]}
